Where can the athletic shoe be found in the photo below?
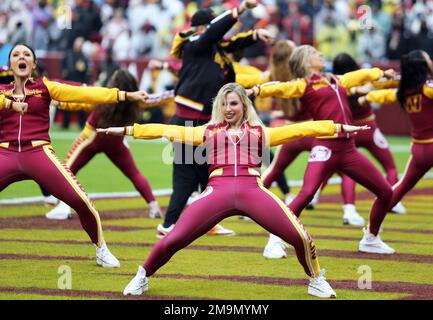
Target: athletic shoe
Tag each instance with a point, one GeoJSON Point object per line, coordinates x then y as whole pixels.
{"type": "Point", "coordinates": [399, 209]}
{"type": "Point", "coordinates": [154, 210]}
{"type": "Point", "coordinates": [193, 197]}
{"type": "Point", "coordinates": [352, 217]}
{"type": "Point", "coordinates": [61, 212]}
{"type": "Point", "coordinates": [313, 203]}
{"type": "Point", "coordinates": [275, 248]}
{"type": "Point", "coordinates": [319, 287]}
{"type": "Point", "coordinates": [138, 285]}
{"type": "Point", "coordinates": [373, 244]}
{"type": "Point", "coordinates": [221, 231]}
{"type": "Point", "coordinates": [50, 201]}
{"type": "Point", "coordinates": [289, 198]}
{"type": "Point", "coordinates": [162, 231]}
{"type": "Point", "coordinates": [105, 258]}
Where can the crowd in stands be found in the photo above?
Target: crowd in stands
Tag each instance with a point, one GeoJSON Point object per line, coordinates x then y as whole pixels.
{"type": "Point", "coordinates": [371, 31]}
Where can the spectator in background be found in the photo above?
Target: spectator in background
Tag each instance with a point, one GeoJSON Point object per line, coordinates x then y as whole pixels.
{"type": "Point", "coordinates": [424, 39]}
{"type": "Point", "coordinates": [42, 16]}
{"type": "Point", "coordinates": [107, 68]}
{"type": "Point", "coordinates": [381, 18]}
{"type": "Point", "coordinates": [297, 25]}
{"type": "Point", "coordinates": [75, 68]}
{"type": "Point", "coordinates": [371, 45]}
{"type": "Point", "coordinates": [332, 38]}
{"type": "Point", "coordinates": [338, 10]}
{"type": "Point", "coordinates": [399, 40]}
{"type": "Point", "coordinates": [115, 26]}
{"type": "Point", "coordinates": [19, 35]}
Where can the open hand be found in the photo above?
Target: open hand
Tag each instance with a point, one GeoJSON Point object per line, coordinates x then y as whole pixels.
{"type": "Point", "coordinates": [390, 74]}
{"type": "Point", "coordinates": [353, 129]}
{"type": "Point", "coordinates": [114, 131]}
{"type": "Point", "coordinates": [155, 64]}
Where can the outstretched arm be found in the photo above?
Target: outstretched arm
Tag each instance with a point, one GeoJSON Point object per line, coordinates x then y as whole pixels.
{"type": "Point", "coordinates": [67, 93]}
{"type": "Point", "coordinates": [187, 135]}
{"type": "Point", "coordinates": [285, 90]}
{"type": "Point", "coordinates": [362, 76]}
{"type": "Point", "coordinates": [384, 96]}
{"type": "Point", "coordinates": [323, 128]}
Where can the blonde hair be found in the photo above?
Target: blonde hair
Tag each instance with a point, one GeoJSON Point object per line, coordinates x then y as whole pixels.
{"type": "Point", "coordinates": [299, 62]}
{"type": "Point", "coordinates": [280, 71]}
{"type": "Point", "coordinates": [220, 101]}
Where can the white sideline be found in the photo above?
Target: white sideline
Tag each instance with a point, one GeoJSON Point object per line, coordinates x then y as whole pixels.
{"type": "Point", "coordinates": [159, 192]}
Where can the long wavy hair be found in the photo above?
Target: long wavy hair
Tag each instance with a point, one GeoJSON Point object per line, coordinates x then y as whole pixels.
{"type": "Point", "coordinates": [299, 62]}
{"type": "Point", "coordinates": [414, 71]}
{"type": "Point", "coordinates": [123, 113]}
{"type": "Point", "coordinates": [220, 101]}
{"type": "Point", "coordinates": [279, 70]}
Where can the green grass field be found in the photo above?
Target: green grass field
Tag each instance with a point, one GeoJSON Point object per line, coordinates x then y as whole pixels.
{"type": "Point", "coordinates": [32, 249]}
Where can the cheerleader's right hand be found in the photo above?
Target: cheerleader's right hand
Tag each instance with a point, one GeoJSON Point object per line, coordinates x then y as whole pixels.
{"type": "Point", "coordinates": [114, 131]}
{"type": "Point", "coordinates": [353, 129]}
{"type": "Point", "coordinates": [20, 107]}
{"type": "Point", "coordinates": [362, 100]}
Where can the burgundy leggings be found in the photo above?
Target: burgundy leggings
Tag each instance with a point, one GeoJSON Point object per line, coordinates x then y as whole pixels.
{"type": "Point", "coordinates": [331, 155]}
{"type": "Point", "coordinates": [226, 196]}
{"type": "Point", "coordinates": [42, 165]}
{"type": "Point", "coordinates": [374, 141]}
{"type": "Point", "coordinates": [88, 144]}
{"type": "Point", "coordinates": [420, 161]}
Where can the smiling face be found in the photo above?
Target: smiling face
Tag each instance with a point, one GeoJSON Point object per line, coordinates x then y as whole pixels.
{"type": "Point", "coordinates": [233, 109]}
{"type": "Point", "coordinates": [22, 61]}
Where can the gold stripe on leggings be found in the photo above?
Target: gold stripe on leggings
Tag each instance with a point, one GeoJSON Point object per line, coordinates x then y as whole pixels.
{"type": "Point", "coordinates": [48, 149]}
{"type": "Point", "coordinates": [309, 247]}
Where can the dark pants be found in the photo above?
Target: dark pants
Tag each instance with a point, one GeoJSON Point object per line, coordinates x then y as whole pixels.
{"type": "Point", "coordinates": [187, 173]}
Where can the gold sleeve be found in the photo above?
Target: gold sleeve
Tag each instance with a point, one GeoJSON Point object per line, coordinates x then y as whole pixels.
{"type": "Point", "coordinates": [284, 134]}
{"type": "Point", "coordinates": [383, 96]}
{"type": "Point", "coordinates": [428, 90]}
{"type": "Point", "coordinates": [360, 77]}
{"type": "Point", "coordinates": [386, 84]}
{"type": "Point", "coordinates": [4, 102]}
{"type": "Point", "coordinates": [187, 135]}
{"type": "Point", "coordinates": [285, 90]}
{"type": "Point", "coordinates": [66, 93]}
{"type": "Point", "coordinates": [250, 78]}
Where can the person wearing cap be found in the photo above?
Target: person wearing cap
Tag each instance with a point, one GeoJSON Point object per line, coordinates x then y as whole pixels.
{"type": "Point", "coordinates": [205, 69]}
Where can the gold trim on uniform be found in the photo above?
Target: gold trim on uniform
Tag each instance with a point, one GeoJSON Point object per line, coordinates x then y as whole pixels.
{"type": "Point", "coordinates": [422, 140]}
{"type": "Point", "coordinates": [122, 95]}
{"type": "Point", "coordinates": [37, 143]}
{"type": "Point", "coordinates": [216, 172]}
{"type": "Point", "coordinates": [4, 145]}
{"type": "Point", "coordinates": [371, 117]}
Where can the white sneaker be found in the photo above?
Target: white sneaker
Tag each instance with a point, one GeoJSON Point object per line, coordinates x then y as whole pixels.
{"type": "Point", "coordinates": [319, 287]}
{"type": "Point", "coordinates": [61, 212]}
{"type": "Point", "coordinates": [313, 203]}
{"type": "Point", "coordinates": [373, 244]}
{"type": "Point", "coordinates": [275, 248]}
{"type": "Point", "coordinates": [399, 209]}
{"type": "Point", "coordinates": [221, 231]}
{"type": "Point", "coordinates": [138, 285]}
{"type": "Point", "coordinates": [162, 232]}
{"type": "Point", "coordinates": [352, 217]}
{"type": "Point", "coordinates": [105, 258]}
{"type": "Point", "coordinates": [193, 197]}
{"type": "Point", "coordinates": [154, 210]}
{"type": "Point", "coordinates": [50, 201]}
{"type": "Point", "coordinates": [289, 198]}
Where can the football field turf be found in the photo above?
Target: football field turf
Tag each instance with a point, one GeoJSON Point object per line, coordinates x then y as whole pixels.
{"type": "Point", "coordinates": [35, 252]}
